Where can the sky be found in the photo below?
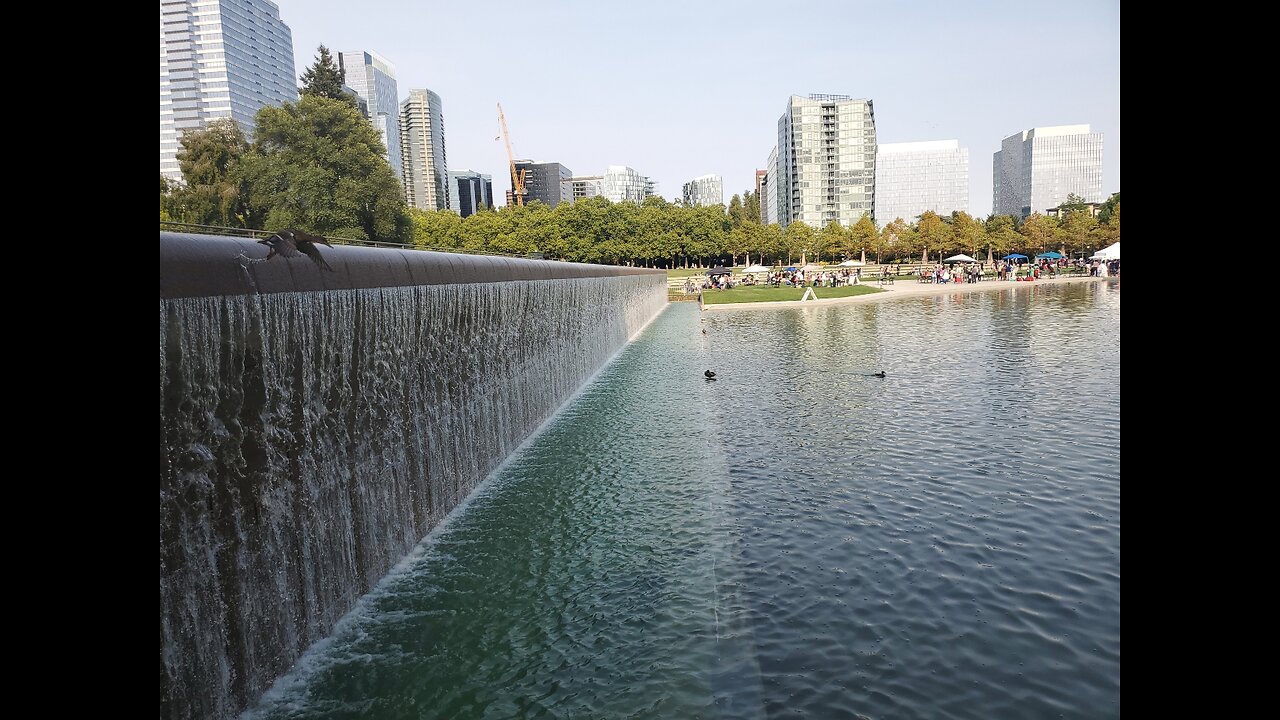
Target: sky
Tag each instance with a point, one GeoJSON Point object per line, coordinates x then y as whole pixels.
{"type": "Point", "coordinates": [682, 89]}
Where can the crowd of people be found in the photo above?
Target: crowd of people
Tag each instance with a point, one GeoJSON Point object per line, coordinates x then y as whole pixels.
{"type": "Point", "coordinates": [821, 278]}
{"type": "Point", "coordinates": [953, 273]}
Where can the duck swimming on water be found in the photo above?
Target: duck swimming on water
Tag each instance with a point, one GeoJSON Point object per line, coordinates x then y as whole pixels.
{"type": "Point", "coordinates": [879, 374]}
{"type": "Point", "coordinates": [710, 375]}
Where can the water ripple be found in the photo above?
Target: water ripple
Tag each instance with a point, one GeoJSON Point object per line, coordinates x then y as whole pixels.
{"type": "Point", "coordinates": [797, 539]}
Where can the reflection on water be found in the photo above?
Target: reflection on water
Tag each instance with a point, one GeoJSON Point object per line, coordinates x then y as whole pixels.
{"type": "Point", "coordinates": [798, 537]}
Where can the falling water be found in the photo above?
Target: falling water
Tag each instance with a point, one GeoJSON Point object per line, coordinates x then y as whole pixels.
{"type": "Point", "coordinates": [309, 440]}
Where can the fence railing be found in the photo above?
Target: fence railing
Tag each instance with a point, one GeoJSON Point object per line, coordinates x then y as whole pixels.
{"type": "Point", "coordinates": [260, 234]}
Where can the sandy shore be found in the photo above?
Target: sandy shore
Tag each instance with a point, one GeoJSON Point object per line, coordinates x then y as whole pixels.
{"type": "Point", "coordinates": [901, 289]}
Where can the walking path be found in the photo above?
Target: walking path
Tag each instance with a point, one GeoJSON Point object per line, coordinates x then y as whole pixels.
{"type": "Point", "coordinates": [904, 288]}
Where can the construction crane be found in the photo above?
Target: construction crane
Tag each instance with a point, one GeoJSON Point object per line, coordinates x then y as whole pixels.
{"type": "Point", "coordinates": [517, 179]}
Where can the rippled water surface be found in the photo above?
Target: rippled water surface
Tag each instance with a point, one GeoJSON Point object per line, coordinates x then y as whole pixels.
{"type": "Point", "coordinates": [795, 539]}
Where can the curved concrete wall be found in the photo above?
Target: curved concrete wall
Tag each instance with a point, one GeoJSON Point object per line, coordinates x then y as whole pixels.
{"type": "Point", "coordinates": [315, 425]}
{"type": "Point", "coordinates": [206, 265]}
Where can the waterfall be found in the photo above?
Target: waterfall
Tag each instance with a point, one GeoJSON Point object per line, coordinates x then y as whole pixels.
{"type": "Point", "coordinates": [308, 440]}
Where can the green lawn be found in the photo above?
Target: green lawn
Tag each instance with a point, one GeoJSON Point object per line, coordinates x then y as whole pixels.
{"type": "Point", "coordinates": [684, 273]}
{"type": "Point", "coordinates": [771, 294]}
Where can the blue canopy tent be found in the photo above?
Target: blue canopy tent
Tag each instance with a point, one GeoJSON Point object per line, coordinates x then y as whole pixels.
{"type": "Point", "coordinates": [1051, 255]}
{"type": "Point", "coordinates": [1014, 256]}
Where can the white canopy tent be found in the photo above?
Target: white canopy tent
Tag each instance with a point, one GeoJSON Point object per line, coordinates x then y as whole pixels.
{"type": "Point", "coordinates": [852, 263]}
{"type": "Point", "coordinates": [1110, 253]}
{"type": "Point", "coordinates": [960, 258]}
{"type": "Point", "coordinates": [755, 269]}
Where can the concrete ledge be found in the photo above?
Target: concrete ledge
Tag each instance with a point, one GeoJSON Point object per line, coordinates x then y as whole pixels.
{"type": "Point", "coordinates": [208, 265]}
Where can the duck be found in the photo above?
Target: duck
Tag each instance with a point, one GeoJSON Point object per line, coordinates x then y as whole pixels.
{"type": "Point", "coordinates": [710, 375]}
{"type": "Point", "coordinates": [879, 374]}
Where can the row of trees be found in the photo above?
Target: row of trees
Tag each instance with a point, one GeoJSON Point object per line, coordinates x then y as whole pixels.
{"type": "Point", "coordinates": [319, 166]}
{"type": "Point", "coordinates": [657, 233]}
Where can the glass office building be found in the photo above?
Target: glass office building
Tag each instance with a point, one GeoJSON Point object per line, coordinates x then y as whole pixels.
{"type": "Point", "coordinates": [546, 182]}
{"type": "Point", "coordinates": [373, 79]}
{"type": "Point", "coordinates": [426, 168]}
{"type": "Point", "coordinates": [705, 190]}
{"type": "Point", "coordinates": [826, 160]}
{"type": "Point", "coordinates": [469, 191]}
{"type": "Point", "coordinates": [769, 203]}
{"type": "Point", "coordinates": [1037, 169]}
{"type": "Point", "coordinates": [219, 59]}
{"type": "Point", "coordinates": [918, 176]}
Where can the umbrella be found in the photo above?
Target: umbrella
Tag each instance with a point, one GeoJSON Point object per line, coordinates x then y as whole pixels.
{"type": "Point", "coordinates": [852, 263]}
{"type": "Point", "coordinates": [756, 269]}
{"type": "Point", "coordinates": [1014, 256]}
{"type": "Point", "coordinates": [960, 258]}
{"type": "Point", "coordinates": [791, 268]}
{"type": "Point", "coordinates": [719, 271]}
{"type": "Point", "coordinates": [1051, 255]}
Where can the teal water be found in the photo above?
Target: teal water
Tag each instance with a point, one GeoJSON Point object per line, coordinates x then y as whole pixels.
{"type": "Point", "coordinates": [795, 539]}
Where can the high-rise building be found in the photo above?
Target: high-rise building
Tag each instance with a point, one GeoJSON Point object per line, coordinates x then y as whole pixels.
{"type": "Point", "coordinates": [426, 169]}
{"type": "Point", "coordinates": [705, 190]}
{"type": "Point", "coordinates": [623, 184]}
{"type": "Point", "coordinates": [918, 176]}
{"type": "Point", "coordinates": [545, 182]}
{"type": "Point", "coordinates": [373, 79]}
{"type": "Point", "coordinates": [1037, 169]}
{"type": "Point", "coordinates": [583, 187]}
{"type": "Point", "coordinates": [468, 191]}
{"type": "Point", "coordinates": [219, 58]}
{"type": "Point", "coordinates": [826, 160]}
{"type": "Point", "coordinates": [769, 205]}
{"type": "Point", "coordinates": [761, 177]}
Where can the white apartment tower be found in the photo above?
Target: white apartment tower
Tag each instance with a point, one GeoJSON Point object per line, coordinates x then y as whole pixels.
{"type": "Point", "coordinates": [826, 160]}
{"type": "Point", "coordinates": [426, 169]}
{"type": "Point", "coordinates": [705, 190]}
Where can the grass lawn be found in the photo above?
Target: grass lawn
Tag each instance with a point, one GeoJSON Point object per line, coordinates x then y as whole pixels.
{"type": "Point", "coordinates": [686, 272]}
{"type": "Point", "coordinates": [771, 294]}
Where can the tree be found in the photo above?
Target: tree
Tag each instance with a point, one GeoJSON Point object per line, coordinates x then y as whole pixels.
{"type": "Point", "coordinates": [799, 240]}
{"type": "Point", "coordinates": [896, 239]}
{"type": "Point", "coordinates": [831, 239]}
{"type": "Point", "coordinates": [933, 234]}
{"type": "Point", "coordinates": [861, 237]}
{"type": "Point", "coordinates": [1108, 207]}
{"type": "Point", "coordinates": [737, 215]}
{"type": "Point", "coordinates": [1073, 203]}
{"type": "Point", "coordinates": [1002, 238]}
{"type": "Point", "coordinates": [212, 192]}
{"type": "Point", "coordinates": [969, 233]}
{"type": "Point", "coordinates": [434, 228]}
{"type": "Point", "coordinates": [772, 243]}
{"type": "Point", "coordinates": [751, 206]}
{"type": "Point", "coordinates": [1040, 232]}
{"type": "Point", "coordinates": [320, 167]}
{"type": "Point", "coordinates": [1077, 229]}
{"type": "Point", "coordinates": [325, 79]}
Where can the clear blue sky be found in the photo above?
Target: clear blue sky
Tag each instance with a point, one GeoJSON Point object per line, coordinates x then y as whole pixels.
{"type": "Point", "coordinates": [682, 89]}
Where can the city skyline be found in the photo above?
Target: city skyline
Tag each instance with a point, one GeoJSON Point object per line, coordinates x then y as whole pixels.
{"type": "Point", "coordinates": [931, 69]}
